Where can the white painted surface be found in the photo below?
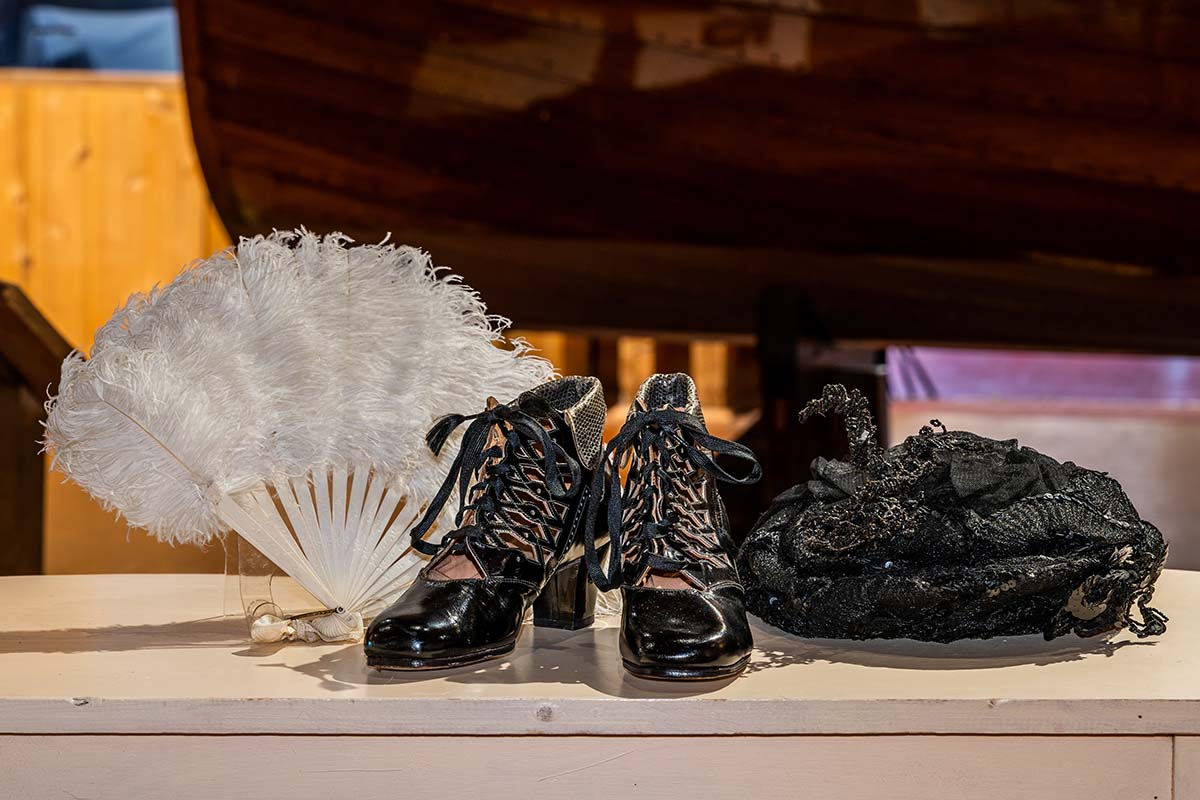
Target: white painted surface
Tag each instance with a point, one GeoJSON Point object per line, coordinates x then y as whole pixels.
{"type": "Point", "coordinates": [1187, 767]}
{"type": "Point", "coordinates": [845, 768]}
{"type": "Point", "coordinates": [150, 654]}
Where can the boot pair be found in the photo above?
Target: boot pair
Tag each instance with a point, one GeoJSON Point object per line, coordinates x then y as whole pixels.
{"type": "Point", "coordinates": [542, 503]}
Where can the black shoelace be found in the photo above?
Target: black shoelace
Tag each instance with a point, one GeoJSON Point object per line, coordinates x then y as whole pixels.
{"type": "Point", "coordinates": [509, 475]}
{"type": "Point", "coordinates": [664, 431]}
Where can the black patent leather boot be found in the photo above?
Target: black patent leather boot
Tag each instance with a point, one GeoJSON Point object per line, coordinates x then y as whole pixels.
{"type": "Point", "coordinates": [523, 476]}
{"type": "Point", "coordinates": [684, 614]}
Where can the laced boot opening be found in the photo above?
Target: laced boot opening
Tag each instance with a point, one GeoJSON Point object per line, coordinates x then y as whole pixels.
{"type": "Point", "coordinates": [664, 519]}
{"type": "Point", "coordinates": [514, 482]}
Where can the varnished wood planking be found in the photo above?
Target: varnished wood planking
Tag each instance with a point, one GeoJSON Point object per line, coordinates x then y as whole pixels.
{"type": "Point", "coordinates": [865, 298]}
{"type": "Point", "coordinates": [29, 343]}
{"type": "Point", "coordinates": [1142, 27]}
{"type": "Point", "coordinates": [680, 122]}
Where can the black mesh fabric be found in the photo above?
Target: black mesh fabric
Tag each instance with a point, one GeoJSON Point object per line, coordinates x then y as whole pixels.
{"type": "Point", "coordinates": [947, 536]}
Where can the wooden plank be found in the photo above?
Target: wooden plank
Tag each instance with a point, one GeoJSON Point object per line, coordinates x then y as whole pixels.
{"type": "Point", "coordinates": [83, 538]}
{"type": "Point", "coordinates": [1139, 27]}
{"type": "Point", "coordinates": [604, 363]}
{"type": "Point", "coordinates": [58, 153]}
{"type": "Point", "coordinates": [92, 79]}
{"type": "Point", "coordinates": [1187, 767]}
{"type": "Point", "coordinates": [744, 377]}
{"type": "Point", "coordinates": [102, 192]}
{"type": "Point", "coordinates": [636, 361]}
{"type": "Point", "coordinates": [709, 363]}
{"type": "Point", "coordinates": [855, 768]}
{"type": "Point", "coordinates": [567, 352]}
{"type": "Point", "coordinates": [1057, 304]}
{"type": "Point", "coordinates": [14, 200]}
{"type": "Point", "coordinates": [106, 126]}
{"type": "Point", "coordinates": [104, 635]}
{"type": "Point", "coordinates": [866, 299]}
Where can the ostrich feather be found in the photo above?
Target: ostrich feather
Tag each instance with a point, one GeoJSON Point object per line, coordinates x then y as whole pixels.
{"type": "Point", "coordinates": [283, 389]}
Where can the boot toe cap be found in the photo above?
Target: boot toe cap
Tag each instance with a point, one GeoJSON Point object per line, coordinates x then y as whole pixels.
{"type": "Point", "coordinates": [684, 631]}
{"type": "Point", "coordinates": [442, 624]}
{"type": "Point", "coordinates": [410, 635]}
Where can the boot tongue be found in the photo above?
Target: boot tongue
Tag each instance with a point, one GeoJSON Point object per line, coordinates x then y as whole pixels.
{"type": "Point", "coordinates": [641, 408]}
{"type": "Point", "coordinates": [463, 565]}
{"type": "Point", "coordinates": [676, 392]}
{"type": "Point", "coordinates": [535, 406]}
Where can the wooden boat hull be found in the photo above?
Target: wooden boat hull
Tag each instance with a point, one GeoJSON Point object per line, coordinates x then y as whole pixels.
{"type": "Point", "coordinates": [664, 165]}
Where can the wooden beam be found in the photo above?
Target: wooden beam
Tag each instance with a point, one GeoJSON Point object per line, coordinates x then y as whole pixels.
{"type": "Point", "coordinates": [31, 355]}
{"type": "Point", "coordinates": [856, 299]}
{"type": "Point", "coordinates": [22, 474]}
{"type": "Point", "coordinates": [28, 341]}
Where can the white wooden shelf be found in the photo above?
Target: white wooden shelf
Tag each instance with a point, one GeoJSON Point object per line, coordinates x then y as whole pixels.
{"type": "Point", "coordinates": [152, 657]}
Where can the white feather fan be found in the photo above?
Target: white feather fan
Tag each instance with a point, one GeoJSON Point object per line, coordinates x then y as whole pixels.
{"type": "Point", "coordinates": [283, 391]}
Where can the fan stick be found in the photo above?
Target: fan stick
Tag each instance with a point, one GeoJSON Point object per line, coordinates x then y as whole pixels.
{"type": "Point", "coordinates": [320, 490]}
{"type": "Point", "coordinates": [398, 570]}
{"type": "Point", "coordinates": [305, 532]}
{"type": "Point", "coordinates": [261, 508]}
{"type": "Point", "coordinates": [335, 484]}
{"type": "Point", "coordinates": [285, 555]}
{"type": "Point", "coordinates": [384, 532]}
{"type": "Point", "coordinates": [369, 540]}
{"type": "Point", "coordinates": [359, 476]}
{"type": "Point", "coordinates": [302, 488]}
{"type": "Point", "coordinates": [385, 571]}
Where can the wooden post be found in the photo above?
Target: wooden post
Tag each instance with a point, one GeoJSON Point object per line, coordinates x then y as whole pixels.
{"type": "Point", "coordinates": [603, 363]}
{"type": "Point", "coordinates": [31, 352]}
{"type": "Point", "coordinates": [797, 359]}
{"type": "Point", "coordinates": [672, 356]}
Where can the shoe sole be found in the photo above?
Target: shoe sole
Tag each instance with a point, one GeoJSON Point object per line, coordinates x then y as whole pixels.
{"type": "Point", "coordinates": [410, 664]}
{"type": "Point", "coordinates": [687, 673]}
{"type": "Point", "coordinates": [406, 664]}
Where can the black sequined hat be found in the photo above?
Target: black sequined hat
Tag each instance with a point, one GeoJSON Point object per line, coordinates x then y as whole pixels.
{"type": "Point", "coordinates": [946, 536]}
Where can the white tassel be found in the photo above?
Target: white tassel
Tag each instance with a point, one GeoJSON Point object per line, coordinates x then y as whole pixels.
{"type": "Point", "coordinates": [283, 391]}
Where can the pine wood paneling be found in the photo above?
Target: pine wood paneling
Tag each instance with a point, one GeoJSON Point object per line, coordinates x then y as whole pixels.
{"type": "Point", "coordinates": [14, 204]}
{"type": "Point", "coordinates": [100, 196]}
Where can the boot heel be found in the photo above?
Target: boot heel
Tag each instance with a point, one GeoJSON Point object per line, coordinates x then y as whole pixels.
{"type": "Point", "coordinates": [569, 599]}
